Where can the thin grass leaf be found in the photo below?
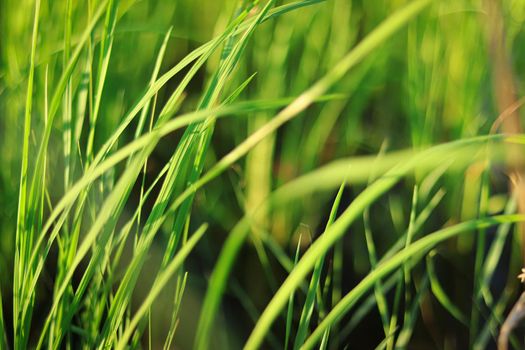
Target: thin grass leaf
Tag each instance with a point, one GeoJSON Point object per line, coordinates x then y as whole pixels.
{"type": "Point", "coordinates": [3, 339]}
{"type": "Point", "coordinates": [495, 252]}
{"type": "Point", "coordinates": [308, 307]}
{"type": "Point", "coordinates": [410, 319]}
{"type": "Point", "coordinates": [106, 46]}
{"type": "Point", "coordinates": [289, 312]}
{"type": "Point", "coordinates": [174, 317]}
{"type": "Point", "coordinates": [372, 257]}
{"type": "Point", "coordinates": [23, 237]}
{"type": "Point", "coordinates": [160, 282]}
{"type": "Point", "coordinates": [440, 293]}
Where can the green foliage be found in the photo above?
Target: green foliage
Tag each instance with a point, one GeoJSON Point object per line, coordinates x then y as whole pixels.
{"type": "Point", "coordinates": [254, 174]}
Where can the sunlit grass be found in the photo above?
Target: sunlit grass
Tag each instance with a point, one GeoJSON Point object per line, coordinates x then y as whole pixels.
{"type": "Point", "coordinates": [313, 166]}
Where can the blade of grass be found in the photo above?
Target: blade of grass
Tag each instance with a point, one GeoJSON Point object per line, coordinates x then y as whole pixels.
{"type": "Point", "coordinates": [174, 317]}
{"type": "Point", "coordinates": [407, 277]}
{"type": "Point", "coordinates": [440, 293]}
{"type": "Point", "coordinates": [494, 254]}
{"type": "Point", "coordinates": [382, 305]}
{"type": "Point", "coordinates": [410, 319]}
{"type": "Point", "coordinates": [364, 309]}
{"type": "Point", "coordinates": [106, 46]}
{"type": "Point", "coordinates": [68, 99]}
{"type": "Point", "coordinates": [289, 312]}
{"type": "Point", "coordinates": [160, 282]}
{"type": "Point", "coordinates": [3, 339]}
{"type": "Point", "coordinates": [22, 240]}
{"type": "Point", "coordinates": [308, 306]}
{"type": "Point", "coordinates": [482, 208]}
{"type": "Point", "coordinates": [154, 75]}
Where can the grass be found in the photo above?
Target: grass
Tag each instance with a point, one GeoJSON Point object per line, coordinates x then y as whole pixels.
{"type": "Point", "coordinates": [258, 174]}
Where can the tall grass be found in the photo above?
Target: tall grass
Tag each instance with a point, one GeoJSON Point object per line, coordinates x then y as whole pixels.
{"type": "Point", "coordinates": [255, 174]}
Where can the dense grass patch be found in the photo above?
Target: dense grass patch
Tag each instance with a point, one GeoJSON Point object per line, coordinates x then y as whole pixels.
{"type": "Point", "coordinates": [260, 174]}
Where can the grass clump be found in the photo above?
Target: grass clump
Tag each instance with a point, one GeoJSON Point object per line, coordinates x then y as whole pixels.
{"type": "Point", "coordinates": [255, 174]}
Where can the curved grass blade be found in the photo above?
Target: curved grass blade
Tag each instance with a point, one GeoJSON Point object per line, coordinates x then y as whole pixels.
{"type": "Point", "coordinates": [440, 293]}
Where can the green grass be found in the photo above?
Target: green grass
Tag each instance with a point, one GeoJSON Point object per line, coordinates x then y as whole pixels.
{"type": "Point", "coordinates": [256, 174]}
